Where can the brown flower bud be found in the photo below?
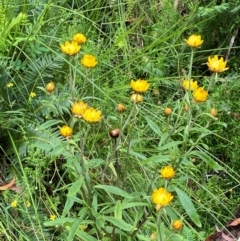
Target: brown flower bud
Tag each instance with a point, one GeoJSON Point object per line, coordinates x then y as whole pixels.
{"type": "Point", "coordinates": [114, 133]}
{"type": "Point", "coordinates": [121, 107]}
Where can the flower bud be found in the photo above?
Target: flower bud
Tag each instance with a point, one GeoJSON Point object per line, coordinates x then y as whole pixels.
{"type": "Point", "coordinates": [177, 224]}
{"type": "Point", "coordinates": [168, 111]}
{"type": "Point", "coordinates": [213, 112]}
{"type": "Point", "coordinates": [121, 107]}
{"type": "Point", "coordinates": [50, 87]}
{"type": "Point", "coordinates": [114, 133]}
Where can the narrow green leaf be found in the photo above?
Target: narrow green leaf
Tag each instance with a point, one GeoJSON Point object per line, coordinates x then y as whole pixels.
{"type": "Point", "coordinates": [118, 210]}
{"type": "Point", "coordinates": [169, 145]}
{"type": "Point", "coordinates": [153, 126]}
{"type": "Point", "coordinates": [119, 223]}
{"type": "Point", "coordinates": [114, 190]}
{"type": "Point", "coordinates": [205, 157]}
{"type": "Point", "coordinates": [188, 206]}
{"type": "Point", "coordinates": [84, 236]}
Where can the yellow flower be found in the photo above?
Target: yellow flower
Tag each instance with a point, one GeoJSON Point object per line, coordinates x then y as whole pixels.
{"type": "Point", "coordinates": [79, 38]}
{"type": "Point", "coordinates": [140, 86]}
{"type": "Point", "coordinates": [137, 98]}
{"type": "Point", "coordinates": [70, 48]}
{"type": "Point", "coordinates": [92, 116]}
{"type": "Point", "coordinates": [50, 87]}
{"type": "Point", "coordinates": [168, 111]}
{"type": "Point", "coordinates": [121, 107]}
{"type": "Point", "coordinates": [9, 85]}
{"type": "Point", "coordinates": [79, 108]}
{"type": "Point", "coordinates": [177, 224]}
{"type": "Point", "coordinates": [216, 65]}
{"type": "Point", "coordinates": [52, 217]}
{"type": "Point", "coordinates": [167, 172]}
{"type": "Point", "coordinates": [32, 95]}
{"type": "Point", "coordinates": [190, 84]}
{"type": "Point", "coordinates": [200, 95]}
{"type": "Point", "coordinates": [66, 131]}
{"type": "Point", "coordinates": [161, 197]}
{"type": "Point", "coordinates": [213, 112]}
{"type": "Point", "coordinates": [89, 61]}
{"type": "Point", "coordinates": [194, 41]}
{"type": "Point", "coordinates": [14, 204]}
{"type": "Point", "coordinates": [28, 204]}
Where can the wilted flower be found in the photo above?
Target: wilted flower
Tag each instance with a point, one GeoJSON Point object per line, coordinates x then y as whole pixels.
{"type": "Point", "coordinates": [66, 131]}
{"type": "Point", "coordinates": [70, 48]}
{"type": "Point", "coordinates": [137, 98]}
{"type": "Point", "coordinates": [9, 85]}
{"type": "Point", "coordinates": [52, 217]}
{"type": "Point", "coordinates": [168, 111]}
{"type": "Point", "coordinates": [79, 38]}
{"type": "Point", "coordinates": [216, 65]}
{"type": "Point", "coordinates": [200, 95]}
{"type": "Point", "coordinates": [189, 84]}
{"type": "Point", "coordinates": [177, 224]}
{"type": "Point", "coordinates": [161, 197]}
{"type": "Point", "coordinates": [194, 41]}
{"type": "Point", "coordinates": [114, 133]}
{"type": "Point", "coordinates": [14, 204]}
{"type": "Point", "coordinates": [50, 87]}
{"type": "Point", "coordinates": [79, 108]}
{"type": "Point", "coordinates": [140, 86]}
{"type": "Point", "coordinates": [167, 172]}
{"type": "Point", "coordinates": [121, 107]}
{"type": "Point", "coordinates": [32, 95]}
{"type": "Point", "coordinates": [89, 61]}
{"type": "Point", "coordinates": [92, 116]}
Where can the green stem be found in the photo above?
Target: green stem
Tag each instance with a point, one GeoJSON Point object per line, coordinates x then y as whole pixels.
{"type": "Point", "coordinates": [159, 225]}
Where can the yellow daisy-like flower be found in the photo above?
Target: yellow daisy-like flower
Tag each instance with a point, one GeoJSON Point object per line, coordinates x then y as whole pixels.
{"type": "Point", "coordinates": [216, 65]}
{"type": "Point", "coordinates": [32, 95]}
{"type": "Point", "coordinates": [66, 131]}
{"type": "Point", "coordinates": [79, 38]}
{"type": "Point", "coordinates": [14, 204]}
{"type": "Point", "coordinates": [9, 85]}
{"type": "Point", "coordinates": [137, 98]}
{"type": "Point", "coordinates": [190, 84]}
{"type": "Point", "coordinates": [140, 86]}
{"type": "Point", "coordinates": [89, 61]}
{"type": "Point", "coordinates": [79, 108]}
{"type": "Point", "coordinates": [167, 172]}
{"type": "Point", "coordinates": [177, 224]}
{"type": "Point", "coordinates": [161, 197]}
{"type": "Point", "coordinates": [200, 95]}
{"type": "Point", "coordinates": [92, 116]}
{"type": "Point", "coordinates": [194, 41]}
{"type": "Point", "coordinates": [70, 48]}
{"type": "Point", "coordinates": [52, 217]}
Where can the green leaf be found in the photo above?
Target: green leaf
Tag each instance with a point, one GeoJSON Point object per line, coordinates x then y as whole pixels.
{"type": "Point", "coordinates": [188, 206]}
{"type": "Point", "coordinates": [153, 126]}
{"type": "Point", "coordinates": [169, 145]}
{"type": "Point", "coordinates": [205, 157]}
{"type": "Point", "coordinates": [84, 236]}
{"type": "Point", "coordinates": [114, 190]}
{"type": "Point", "coordinates": [119, 223]}
{"type": "Point", "coordinates": [118, 210]}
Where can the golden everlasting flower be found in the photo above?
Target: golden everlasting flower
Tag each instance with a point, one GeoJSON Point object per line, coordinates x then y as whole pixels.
{"type": "Point", "coordinates": [189, 84]}
{"type": "Point", "coordinates": [216, 65]}
{"type": "Point", "coordinates": [50, 87]}
{"type": "Point", "coordinates": [161, 197]}
{"type": "Point", "coordinates": [89, 61]}
{"type": "Point", "coordinates": [140, 86]}
{"type": "Point", "coordinates": [121, 108]}
{"type": "Point", "coordinates": [213, 112]}
{"type": "Point", "coordinates": [70, 48]}
{"type": "Point", "coordinates": [194, 41]}
{"type": "Point", "coordinates": [66, 131]}
{"type": "Point", "coordinates": [137, 98]}
{"type": "Point", "coordinates": [14, 204]}
{"type": "Point", "coordinates": [168, 111]}
{"type": "Point", "coordinates": [9, 85]}
{"type": "Point", "coordinates": [79, 38]}
{"type": "Point", "coordinates": [79, 108]}
{"type": "Point", "coordinates": [52, 217]}
{"type": "Point", "coordinates": [167, 172]}
{"type": "Point", "coordinates": [177, 224]}
{"type": "Point", "coordinates": [92, 116]}
{"type": "Point", "coordinates": [32, 95]}
{"type": "Point", "coordinates": [200, 95]}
